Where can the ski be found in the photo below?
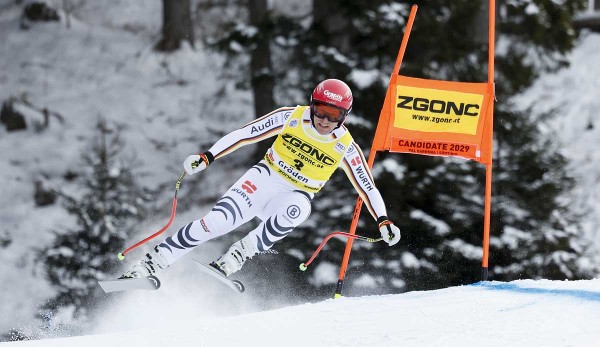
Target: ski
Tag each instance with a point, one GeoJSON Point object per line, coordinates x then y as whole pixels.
{"type": "Point", "coordinates": [211, 271]}
{"type": "Point", "coordinates": [142, 283]}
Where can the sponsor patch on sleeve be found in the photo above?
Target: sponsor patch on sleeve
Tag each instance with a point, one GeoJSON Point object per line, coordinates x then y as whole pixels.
{"type": "Point", "coordinates": [340, 148]}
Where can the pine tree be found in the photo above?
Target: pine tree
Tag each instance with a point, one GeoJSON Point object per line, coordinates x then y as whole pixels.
{"type": "Point", "coordinates": [540, 233]}
{"type": "Point", "coordinates": [109, 205]}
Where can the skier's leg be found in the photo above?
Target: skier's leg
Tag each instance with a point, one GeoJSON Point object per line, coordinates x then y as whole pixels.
{"type": "Point", "coordinates": [237, 206]}
{"type": "Point", "coordinates": [288, 210]}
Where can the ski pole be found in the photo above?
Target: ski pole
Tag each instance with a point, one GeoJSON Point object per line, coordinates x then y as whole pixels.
{"type": "Point", "coordinates": [304, 266]}
{"type": "Point", "coordinates": [121, 256]}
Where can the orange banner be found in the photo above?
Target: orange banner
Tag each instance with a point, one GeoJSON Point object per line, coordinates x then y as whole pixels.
{"type": "Point", "coordinates": [439, 118]}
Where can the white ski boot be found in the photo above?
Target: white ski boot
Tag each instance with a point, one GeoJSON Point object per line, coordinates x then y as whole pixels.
{"type": "Point", "coordinates": [235, 257]}
{"type": "Point", "coordinates": [150, 265]}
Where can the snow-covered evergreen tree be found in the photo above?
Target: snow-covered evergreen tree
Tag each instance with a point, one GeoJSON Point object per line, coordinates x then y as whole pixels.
{"type": "Point", "coordinates": [107, 209]}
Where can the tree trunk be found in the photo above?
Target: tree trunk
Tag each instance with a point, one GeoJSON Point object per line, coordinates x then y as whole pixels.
{"type": "Point", "coordinates": [177, 25]}
{"type": "Point", "coordinates": [479, 30]}
{"type": "Point", "coordinates": [262, 79]}
{"type": "Point", "coordinates": [329, 17]}
{"type": "Point", "coordinates": [260, 64]}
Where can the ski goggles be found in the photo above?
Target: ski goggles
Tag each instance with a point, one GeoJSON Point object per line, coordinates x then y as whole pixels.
{"type": "Point", "coordinates": [331, 113]}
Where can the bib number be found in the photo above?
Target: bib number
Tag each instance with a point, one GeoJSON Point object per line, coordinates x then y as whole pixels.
{"type": "Point", "coordinates": [298, 164]}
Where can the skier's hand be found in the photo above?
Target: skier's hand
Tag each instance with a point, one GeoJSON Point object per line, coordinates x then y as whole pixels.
{"type": "Point", "coordinates": [197, 162]}
{"type": "Point", "coordinates": [389, 232]}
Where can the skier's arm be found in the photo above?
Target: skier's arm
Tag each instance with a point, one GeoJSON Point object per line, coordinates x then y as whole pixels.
{"type": "Point", "coordinates": [264, 127]}
{"type": "Point", "coordinates": [355, 166]}
{"type": "Point", "coordinates": [359, 174]}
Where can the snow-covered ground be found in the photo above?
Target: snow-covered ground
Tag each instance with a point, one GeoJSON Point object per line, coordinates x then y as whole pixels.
{"type": "Point", "coordinates": [521, 313]}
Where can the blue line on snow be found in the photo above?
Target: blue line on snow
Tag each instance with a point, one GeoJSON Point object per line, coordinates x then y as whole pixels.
{"type": "Point", "coordinates": [578, 294]}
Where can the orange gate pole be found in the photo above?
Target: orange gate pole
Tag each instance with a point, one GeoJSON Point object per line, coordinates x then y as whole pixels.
{"type": "Point", "coordinates": [349, 242]}
{"type": "Point", "coordinates": [372, 154]}
{"type": "Point", "coordinates": [488, 166]}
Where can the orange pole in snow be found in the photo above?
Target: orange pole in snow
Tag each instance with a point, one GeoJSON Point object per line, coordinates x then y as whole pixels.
{"type": "Point", "coordinates": [359, 201]}
{"type": "Point", "coordinates": [350, 241]}
{"type": "Point", "coordinates": [488, 167]}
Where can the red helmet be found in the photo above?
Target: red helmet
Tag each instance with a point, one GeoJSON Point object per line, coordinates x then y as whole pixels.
{"type": "Point", "coordinates": [334, 93]}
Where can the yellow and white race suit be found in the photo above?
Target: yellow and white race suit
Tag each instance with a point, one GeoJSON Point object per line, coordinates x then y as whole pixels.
{"type": "Point", "coordinates": [278, 189]}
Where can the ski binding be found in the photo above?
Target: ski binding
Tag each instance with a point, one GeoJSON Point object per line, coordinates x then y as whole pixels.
{"type": "Point", "coordinates": [211, 271]}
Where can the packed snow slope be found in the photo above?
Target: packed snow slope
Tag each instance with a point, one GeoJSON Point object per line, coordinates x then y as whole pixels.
{"type": "Point", "coordinates": [519, 313]}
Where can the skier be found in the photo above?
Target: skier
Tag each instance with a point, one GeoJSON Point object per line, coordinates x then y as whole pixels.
{"type": "Point", "coordinates": [311, 143]}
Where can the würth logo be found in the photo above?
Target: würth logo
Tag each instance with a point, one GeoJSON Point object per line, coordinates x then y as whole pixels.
{"type": "Point", "coordinates": [249, 187]}
{"type": "Point", "coordinates": [355, 161]}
